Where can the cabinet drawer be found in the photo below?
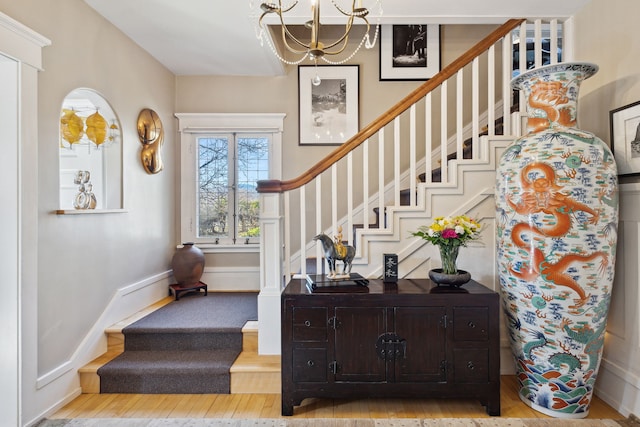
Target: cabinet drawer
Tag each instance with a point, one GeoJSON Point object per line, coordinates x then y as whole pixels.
{"type": "Point", "coordinates": [310, 324]}
{"type": "Point", "coordinates": [310, 365]}
{"type": "Point", "coordinates": [471, 365]}
{"type": "Point", "coordinates": [471, 323]}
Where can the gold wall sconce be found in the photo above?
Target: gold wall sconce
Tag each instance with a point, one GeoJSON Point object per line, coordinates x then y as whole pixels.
{"type": "Point", "coordinates": [151, 135]}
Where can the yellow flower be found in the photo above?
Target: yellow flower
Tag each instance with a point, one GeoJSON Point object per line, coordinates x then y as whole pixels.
{"type": "Point", "coordinates": [450, 231]}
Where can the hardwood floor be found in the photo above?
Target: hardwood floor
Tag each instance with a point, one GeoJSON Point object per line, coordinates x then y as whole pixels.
{"type": "Point", "coordinates": [268, 406]}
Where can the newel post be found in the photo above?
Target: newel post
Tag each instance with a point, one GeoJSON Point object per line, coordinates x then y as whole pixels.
{"type": "Point", "coordinates": [271, 244]}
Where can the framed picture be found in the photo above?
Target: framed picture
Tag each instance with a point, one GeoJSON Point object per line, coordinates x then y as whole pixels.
{"type": "Point", "coordinates": [625, 138]}
{"type": "Point", "coordinates": [328, 111]}
{"type": "Point", "coordinates": [409, 52]}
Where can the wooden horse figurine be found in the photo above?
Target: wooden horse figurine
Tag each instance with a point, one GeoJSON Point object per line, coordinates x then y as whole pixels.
{"type": "Point", "coordinates": [336, 251]}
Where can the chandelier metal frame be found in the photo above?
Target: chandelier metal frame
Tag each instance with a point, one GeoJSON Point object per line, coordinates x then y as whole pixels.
{"type": "Point", "coordinates": [317, 49]}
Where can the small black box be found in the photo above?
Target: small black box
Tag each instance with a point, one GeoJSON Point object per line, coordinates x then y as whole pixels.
{"type": "Point", "coordinates": [390, 268]}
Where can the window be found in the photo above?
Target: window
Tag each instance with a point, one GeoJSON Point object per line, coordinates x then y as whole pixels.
{"type": "Point", "coordinates": [229, 167]}
{"type": "Point", "coordinates": [223, 157]}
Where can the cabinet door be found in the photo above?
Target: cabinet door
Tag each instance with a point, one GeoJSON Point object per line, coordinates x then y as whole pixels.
{"type": "Point", "coordinates": [424, 332]}
{"type": "Point", "coordinates": [356, 332]}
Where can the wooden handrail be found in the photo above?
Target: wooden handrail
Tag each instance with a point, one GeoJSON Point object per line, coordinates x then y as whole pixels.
{"type": "Point", "coordinates": [278, 186]}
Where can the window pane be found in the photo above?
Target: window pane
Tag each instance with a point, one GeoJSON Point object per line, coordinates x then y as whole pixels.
{"type": "Point", "coordinates": [213, 187]}
{"type": "Point", "coordinates": [253, 165]}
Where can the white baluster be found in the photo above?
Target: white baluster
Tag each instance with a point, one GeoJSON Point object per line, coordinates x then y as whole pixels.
{"type": "Point", "coordinates": [444, 175]}
{"type": "Point", "coordinates": [318, 223]}
{"type": "Point", "coordinates": [381, 195]}
{"type": "Point", "coordinates": [289, 271]}
{"type": "Point", "coordinates": [334, 198]}
{"type": "Point", "coordinates": [475, 105]}
{"type": "Point", "coordinates": [459, 111]}
{"type": "Point", "coordinates": [537, 37]}
{"type": "Point", "coordinates": [349, 229]}
{"type": "Point", "coordinates": [523, 59]}
{"type": "Point", "coordinates": [303, 227]}
{"type": "Point", "coordinates": [491, 95]}
{"type": "Point", "coordinates": [553, 47]}
{"type": "Point", "coordinates": [507, 65]}
{"type": "Point", "coordinates": [428, 140]}
{"type": "Point", "coordinates": [396, 161]}
{"type": "Point", "coordinates": [412, 156]}
{"type": "Point", "coordinates": [365, 187]}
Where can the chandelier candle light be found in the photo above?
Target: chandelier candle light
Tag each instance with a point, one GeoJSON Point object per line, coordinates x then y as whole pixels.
{"type": "Point", "coordinates": [449, 233]}
{"type": "Point", "coordinates": [316, 48]}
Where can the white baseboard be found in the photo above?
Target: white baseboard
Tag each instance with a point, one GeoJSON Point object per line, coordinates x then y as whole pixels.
{"type": "Point", "coordinates": [619, 388]}
{"type": "Point", "coordinates": [128, 300]}
{"type": "Point", "coordinates": [507, 361]}
{"type": "Point", "coordinates": [219, 279]}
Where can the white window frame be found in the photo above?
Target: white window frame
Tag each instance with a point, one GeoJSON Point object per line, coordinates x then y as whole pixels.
{"type": "Point", "coordinates": [192, 125]}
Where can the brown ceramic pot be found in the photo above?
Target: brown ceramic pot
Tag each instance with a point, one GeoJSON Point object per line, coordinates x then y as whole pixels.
{"type": "Point", "coordinates": [187, 264]}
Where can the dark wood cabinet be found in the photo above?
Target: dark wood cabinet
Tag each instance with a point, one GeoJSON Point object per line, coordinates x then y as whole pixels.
{"type": "Point", "coordinates": [410, 338]}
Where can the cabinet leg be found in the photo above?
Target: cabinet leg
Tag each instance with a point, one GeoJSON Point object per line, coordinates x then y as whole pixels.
{"type": "Point", "coordinates": [287, 405]}
{"type": "Point", "coordinates": [287, 409]}
{"type": "Point", "coordinates": [493, 407]}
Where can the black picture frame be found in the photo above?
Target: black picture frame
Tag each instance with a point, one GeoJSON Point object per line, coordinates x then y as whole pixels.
{"type": "Point", "coordinates": [409, 52]}
{"type": "Point", "coordinates": [328, 113]}
{"type": "Point", "coordinates": [624, 123]}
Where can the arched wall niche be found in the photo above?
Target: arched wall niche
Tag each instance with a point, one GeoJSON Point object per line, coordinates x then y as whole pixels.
{"type": "Point", "coordinates": [90, 160]}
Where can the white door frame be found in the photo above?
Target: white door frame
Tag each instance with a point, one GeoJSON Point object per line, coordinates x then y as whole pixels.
{"type": "Point", "coordinates": [21, 53]}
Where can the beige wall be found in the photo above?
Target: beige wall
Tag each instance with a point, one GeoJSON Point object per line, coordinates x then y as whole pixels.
{"type": "Point", "coordinates": [607, 36]}
{"type": "Point", "coordinates": [84, 259]}
{"type": "Point", "coordinates": [209, 94]}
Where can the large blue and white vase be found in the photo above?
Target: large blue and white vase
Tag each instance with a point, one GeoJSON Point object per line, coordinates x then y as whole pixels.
{"type": "Point", "coordinates": [557, 217]}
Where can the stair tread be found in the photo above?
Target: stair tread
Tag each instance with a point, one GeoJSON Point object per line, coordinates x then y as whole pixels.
{"type": "Point", "coordinates": [250, 326]}
{"type": "Point", "coordinates": [99, 361]}
{"type": "Point", "coordinates": [119, 326]}
{"type": "Point", "coordinates": [249, 361]}
{"type": "Point", "coordinates": [137, 362]}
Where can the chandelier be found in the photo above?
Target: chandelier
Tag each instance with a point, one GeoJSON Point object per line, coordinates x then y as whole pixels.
{"type": "Point", "coordinates": [315, 48]}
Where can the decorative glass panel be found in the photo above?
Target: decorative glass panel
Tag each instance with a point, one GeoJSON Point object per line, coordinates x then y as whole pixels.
{"type": "Point", "coordinates": [253, 165]}
{"type": "Point", "coordinates": [213, 187]}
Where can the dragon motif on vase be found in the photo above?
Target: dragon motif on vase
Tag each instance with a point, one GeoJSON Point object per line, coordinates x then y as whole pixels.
{"type": "Point", "coordinates": [542, 194]}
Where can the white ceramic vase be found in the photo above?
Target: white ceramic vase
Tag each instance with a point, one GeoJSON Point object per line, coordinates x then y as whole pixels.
{"type": "Point", "coordinates": [557, 215]}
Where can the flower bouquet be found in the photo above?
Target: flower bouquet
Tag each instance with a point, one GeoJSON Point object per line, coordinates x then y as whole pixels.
{"type": "Point", "coordinates": [449, 233]}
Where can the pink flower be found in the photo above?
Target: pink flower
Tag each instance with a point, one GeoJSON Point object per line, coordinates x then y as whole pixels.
{"type": "Point", "coordinates": [449, 233]}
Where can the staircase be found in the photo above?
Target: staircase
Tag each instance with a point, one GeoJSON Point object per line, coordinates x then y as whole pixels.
{"type": "Point", "coordinates": [250, 373]}
{"type": "Point", "coordinates": [436, 174]}
{"type": "Point", "coordinates": [432, 154]}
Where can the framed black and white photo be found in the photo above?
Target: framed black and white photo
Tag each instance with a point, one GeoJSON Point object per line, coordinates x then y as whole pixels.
{"type": "Point", "coordinates": [409, 52]}
{"type": "Point", "coordinates": [625, 138]}
{"type": "Point", "coordinates": [328, 111]}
